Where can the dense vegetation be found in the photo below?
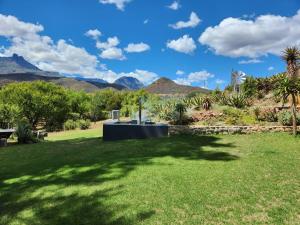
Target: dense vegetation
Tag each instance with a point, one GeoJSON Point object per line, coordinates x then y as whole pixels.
{"type": "Point", "coordinates": [52, 107]}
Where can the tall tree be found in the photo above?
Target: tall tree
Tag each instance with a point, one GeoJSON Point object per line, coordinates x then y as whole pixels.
{"type": "Point", "coordinates": [291, 56]}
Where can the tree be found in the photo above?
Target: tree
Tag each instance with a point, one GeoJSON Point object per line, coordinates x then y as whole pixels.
{"type": "Point", "coordinates": [39, 102]}
{"type": "Point", "coordinates": [181, 109]}
{"type": "Point", "coordinates": [291, 56]}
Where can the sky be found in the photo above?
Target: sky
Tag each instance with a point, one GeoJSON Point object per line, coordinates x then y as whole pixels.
{"type": "Point", "coordinates": [194, 42]}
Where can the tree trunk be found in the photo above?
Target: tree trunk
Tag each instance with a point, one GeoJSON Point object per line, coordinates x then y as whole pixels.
{"type": "Point", "coordinates": [294, 114]}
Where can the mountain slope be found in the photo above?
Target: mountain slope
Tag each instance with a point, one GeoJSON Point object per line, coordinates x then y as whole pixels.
{"type": "Point", "coordinates": [165, 86]}
{"type": "Point", "coordinates": [17, 64]}
{"type": "Point", "coordinates": [129, 82]}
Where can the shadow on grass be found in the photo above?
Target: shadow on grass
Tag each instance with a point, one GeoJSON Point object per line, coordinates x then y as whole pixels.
{"type": "Point", "coordinates": [67, 182]}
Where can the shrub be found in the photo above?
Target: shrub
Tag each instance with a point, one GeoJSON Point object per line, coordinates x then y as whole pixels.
{"type": "Point", "coordinates": [269, 115]}
{"type": "Point", "coordinates": [285, 118]}
{"type": "Point", "coordinates": [84, 124]}
{"type": "Point", "coordinates": [24, 133]}
{"type": "Point", "coordinates": [70, 125]}
{"type": "Point", "coordinates": [235, 116]}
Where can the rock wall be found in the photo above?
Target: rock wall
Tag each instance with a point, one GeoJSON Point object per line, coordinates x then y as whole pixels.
{"type": "Point", "coordinates": [173, 130]}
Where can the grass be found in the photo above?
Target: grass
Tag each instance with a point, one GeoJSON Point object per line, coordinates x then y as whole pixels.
{"type": "Point", "coordinates": [251, 179]}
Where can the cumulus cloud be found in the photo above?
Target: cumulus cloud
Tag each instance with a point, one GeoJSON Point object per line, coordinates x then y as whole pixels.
{"type": "Point", "coordinates": [10, 26]}
{"type": "Point", "coordinates": [180, 72]}
{"type": "Point", "coordinates": [136, 48]}
{"type": "Point", "coordinates": [195, 77]}
{"type": "Point", "coordinates": [120, 4]}
{"type": "Point", "coordinates": [185, 44]}
{"type": "Point", "coordinates": [60, 56]}
{"type": "Point", "coordinates": [95, 34]}
{"type": "Point", "coordinates": [112, 53]}
{"type": "Point", "coordinates": [144, 76]}
{"type": "Point", "coordinates": [42, 51]}
{"type": "Point", "coordinates": [250, 61]}
{"type": "Point", "coordinates": [109, 49]}
{"type": "Point", "coordinates": [267, 34]}
{"type": "Point", "coordinates": [193, 22]}
{"type": "Point", "coordinates": [174, 6]}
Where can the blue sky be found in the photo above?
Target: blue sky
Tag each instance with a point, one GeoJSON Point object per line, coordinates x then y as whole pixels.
{"type": "Point", "coordinates": [223, 35]}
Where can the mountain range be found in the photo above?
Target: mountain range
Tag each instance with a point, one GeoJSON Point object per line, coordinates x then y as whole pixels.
{"type": "Point", "coordinates": [17, 69]}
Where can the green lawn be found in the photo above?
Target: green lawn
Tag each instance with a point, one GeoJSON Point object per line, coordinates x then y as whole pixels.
{"type": "Point", "coordinates": [251, 179]}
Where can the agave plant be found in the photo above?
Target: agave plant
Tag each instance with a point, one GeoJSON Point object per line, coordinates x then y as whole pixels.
{"type": "Point", "coordinates": [188, 102]}
{"type": "Point", "coordinates": [197, 102]}
{"type": "Point", "coordinates": [237, 100]}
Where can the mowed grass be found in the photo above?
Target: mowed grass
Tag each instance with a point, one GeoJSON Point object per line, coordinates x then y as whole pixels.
{"type": "Point", "coordinates": [252, 179]}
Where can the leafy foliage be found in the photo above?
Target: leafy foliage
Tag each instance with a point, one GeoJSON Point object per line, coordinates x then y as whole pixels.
{"type": "Point", "coordinates": [285, 118]}
{"type": "Point", "coordinates": [84, 124]}
{"type": "Point", "coordinates": [24, 133]}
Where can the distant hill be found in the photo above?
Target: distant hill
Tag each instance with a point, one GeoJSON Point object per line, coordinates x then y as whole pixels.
{"type": "Point", "coordinates": [165, 86]}
{"type": "Point", "coordinates": [17, 65]}
{"type": "Point", "coordinates": [129, 82]}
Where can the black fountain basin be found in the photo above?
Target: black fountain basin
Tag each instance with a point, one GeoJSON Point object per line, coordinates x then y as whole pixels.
{"type": "Point", "coordinates": [113, 131]}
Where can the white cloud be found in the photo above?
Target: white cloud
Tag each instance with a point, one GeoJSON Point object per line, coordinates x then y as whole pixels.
{"type": "Point", "coordinates": [193, 22]}
{"type": "Point", "coordinates": [112, 53]}
{"type": "Point", "coordinates": [136, 48]}
{"type": "Point", "coordinates": [110, 43]}
{"type": "Point", "coordinates": [195, 77]}
{"type": "Point", "coordinates": [10, 26]}
{"type": "Point", "coordinates": [95, 34]}
{"type": "Point", "coordinates": [271, 68]}
{"type": "Point", "coordinates": [250, 61]}
{"type": "Point", "coordinates": [109, 49]}
{"type": "Point", "coordinates": [120, 4]}
{"type": "Point", "coordinates": [174, 6]}
{"type": "Point", "coordinates": [144, 76]}
{"type": "Point", "coordinates": [42, 51]}
{"type": "Point", "coordinates": [267, 34]}
{"type": "Point", "coordinates": [184, 44]}
{"type": "Point", "coordinates": [180, 72]}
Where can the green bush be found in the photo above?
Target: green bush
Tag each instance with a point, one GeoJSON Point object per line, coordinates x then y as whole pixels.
{"type": "Point", "coordinates": [285, 118]}
{"type": "Point", "coordinates": [84, 124]}
{"type": "Point", "coordinates": [233, 116]}
{"type": "Point", "coordinates": [24, 133]}
{"type": "Point", "coordinates": [70, 125]}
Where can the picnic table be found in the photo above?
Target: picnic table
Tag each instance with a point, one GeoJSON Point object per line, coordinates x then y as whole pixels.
{"type": "Point", "coordinates": [4, 135]}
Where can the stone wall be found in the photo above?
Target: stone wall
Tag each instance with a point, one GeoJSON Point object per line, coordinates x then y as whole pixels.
{"type": "Point", "coordinates": [227, 129]}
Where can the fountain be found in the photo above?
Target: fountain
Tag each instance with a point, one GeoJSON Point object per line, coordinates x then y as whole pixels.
{"type": "Point", "coordinates": [135, 129]}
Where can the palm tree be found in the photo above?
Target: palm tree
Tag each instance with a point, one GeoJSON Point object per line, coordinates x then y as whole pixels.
{"type": "Point", "coordinates": [291, 56]}
{"type": "Point", "coordinates": [181, 109]}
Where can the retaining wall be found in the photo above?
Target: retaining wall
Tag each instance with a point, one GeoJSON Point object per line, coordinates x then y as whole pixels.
{"type": "Point", "coordinates": [227, 129]}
